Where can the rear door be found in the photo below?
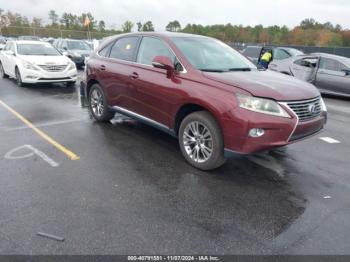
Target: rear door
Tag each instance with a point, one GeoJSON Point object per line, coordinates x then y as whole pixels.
{"type": "Point", "coordinates": [330, 76]}
{"type": "Point", "coordinates": [305, 68]}
{"type": "Point", "coordinates": [115, 71]}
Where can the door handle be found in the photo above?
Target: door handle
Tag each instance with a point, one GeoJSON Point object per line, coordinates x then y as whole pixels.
{"type": "Point", "coordinates": [102, 67]}
{"type": "Point", "coordinates": [134, 76]}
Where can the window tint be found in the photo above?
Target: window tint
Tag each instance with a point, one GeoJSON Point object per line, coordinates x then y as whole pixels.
{"type": "Point", "coordinates": [125, 48]}
{"type": "Point", "coordinates": [150, 48]}
{"type": "Point", "coordinates": [106, 50]}
{"type": "Point", "coordinates": [331, 64]}
{"type": "Point", "coordinates": [280, 54]}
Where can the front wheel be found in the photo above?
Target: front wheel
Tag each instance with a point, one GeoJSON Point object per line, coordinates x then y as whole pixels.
{"type": "Point", "coordinates": [98, 106]}
{"type": "Point", "coordinates": [2, 72]}
{"type": "Point", "coordinates": [201, 141]}
{"type": "Point", "coordinates": [18, 78]}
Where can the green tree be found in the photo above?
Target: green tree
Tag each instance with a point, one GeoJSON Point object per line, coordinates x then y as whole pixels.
{"type": "Point", "coordinates": [101, 26]}
{"type": "Point", "coordinates": [148, 26]}
{"type": "Point", "coordinates": [173, 26]}
{"type": "Point", "coordinates": [127, 26]}
{"type": "Point", "coordinates": [139, 26]}
{"type": "Point", "coordinates": [53, 16]}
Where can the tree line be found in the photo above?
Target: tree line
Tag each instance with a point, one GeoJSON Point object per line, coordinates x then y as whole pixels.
{"type": "Point", "coordinates": [309, 32]}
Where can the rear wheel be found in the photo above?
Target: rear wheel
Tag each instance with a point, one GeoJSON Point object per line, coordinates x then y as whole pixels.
{"type": "Point", "coordinates": [98, 104]}
{"type": "Point", "coordinates": [2, 72]}
{"type": "Point", "coordinates": [18, 77]}
{"type": "Point", "coordinates": [201, 141]}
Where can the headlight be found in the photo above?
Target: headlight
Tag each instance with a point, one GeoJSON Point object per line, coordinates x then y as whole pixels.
{"type": "Point", "coordinates": [28, 65]}
{"type": "Point", "coordinates": [323, 105]}
{"type": "Point", "coordinates": [71, 66]}
{"type": "Point", "coordinates": [261, 105]}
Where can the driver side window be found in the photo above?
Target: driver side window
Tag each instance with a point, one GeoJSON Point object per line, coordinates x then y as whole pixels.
{"type": "Point", "coordinates": [150, 48]}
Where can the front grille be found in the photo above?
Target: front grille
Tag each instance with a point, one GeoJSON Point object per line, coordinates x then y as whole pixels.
{"type": "Point", "coordinates": [61, 78]}
{"type": "Point", "coordinates": [306, 109]}
{"type": "Point", "coordinates": [53, 68]}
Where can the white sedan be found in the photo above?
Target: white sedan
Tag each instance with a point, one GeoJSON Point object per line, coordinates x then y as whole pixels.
{"type": "Point", "coordinates": [31, 62]}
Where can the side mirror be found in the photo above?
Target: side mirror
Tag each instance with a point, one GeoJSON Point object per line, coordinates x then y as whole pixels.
{"type": "Point", "coordinates": [164, 62]}
{"type": "Point", "coordinates": [65, 48]}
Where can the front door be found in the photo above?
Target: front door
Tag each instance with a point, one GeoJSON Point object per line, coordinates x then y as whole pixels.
{"type": "Point", "coordinates": [154, 93]}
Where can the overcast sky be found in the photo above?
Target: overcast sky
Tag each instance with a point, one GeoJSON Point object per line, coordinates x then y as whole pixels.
{"type": "Point", "coordinates": [246, 12]}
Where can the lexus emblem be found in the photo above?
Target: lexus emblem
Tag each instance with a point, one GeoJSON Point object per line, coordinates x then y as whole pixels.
{"type": "Point", "coordinates": [312, 109]}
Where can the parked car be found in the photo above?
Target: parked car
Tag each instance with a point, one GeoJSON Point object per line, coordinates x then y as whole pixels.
{"type": "Point", "coordinates": [31, 62]}
{"type": "Point", "coordinates": [76, 50]}
{"type": "Point", "coordinates": [198, 89]}
{"type": "Point", "coordinates": [330, 73]}
{"type": "Point", "coordinates": [278, 53]}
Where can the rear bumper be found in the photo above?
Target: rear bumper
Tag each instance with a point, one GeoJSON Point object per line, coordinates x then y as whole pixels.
{"type": "Point", "coordinates": [279, 132]}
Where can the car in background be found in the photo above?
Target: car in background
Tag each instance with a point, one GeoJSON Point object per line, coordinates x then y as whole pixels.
{"type": "Point", "coordinates": [2, 43]}
{"type": "Point", "coordinates": [278, 53]}
{"type": "Point", "coordinates": [29, 38]}
{"type": "Point", "coordinates": [200, 90]}
{"type": "Point", "coordinates": [31, 62]}
{"type": "Point", "coordinates": [76, 50]}
{"type": "Point", "coordinates": [329, 73]}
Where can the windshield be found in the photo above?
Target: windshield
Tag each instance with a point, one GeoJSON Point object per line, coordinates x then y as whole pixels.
{"type": "Point", "coordinates": [208, 54]}
{"type": "Point", "coordinates": [295, 52]}
{"type": "Point", "coordinates": [37, 49]}
{"type": "Point", "coordinates": [78, 45]}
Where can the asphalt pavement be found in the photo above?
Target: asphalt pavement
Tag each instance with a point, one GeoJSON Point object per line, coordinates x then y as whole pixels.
{"type": "Point", "coordinates": [129, 190]}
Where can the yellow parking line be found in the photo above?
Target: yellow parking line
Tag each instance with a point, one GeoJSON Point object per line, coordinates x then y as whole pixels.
{"type": "Point", "coordinates": [60, 147]}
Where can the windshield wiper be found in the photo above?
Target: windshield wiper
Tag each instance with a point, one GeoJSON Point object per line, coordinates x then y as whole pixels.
{"type": "Point", "coordinates": [212, 70]}
{"type": "Point", "coordinates": [239, 69]}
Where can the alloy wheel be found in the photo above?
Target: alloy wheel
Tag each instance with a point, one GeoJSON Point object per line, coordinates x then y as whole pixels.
{"type": "Point", "coordinates": [198, 141]}
{"type": "Point", "coordinates": [96, 102]}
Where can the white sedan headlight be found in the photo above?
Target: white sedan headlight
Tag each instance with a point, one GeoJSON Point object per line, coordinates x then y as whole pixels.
{"type": "Point", "coordinates": [261, 105]}
{"type": "Point", "coordinates": [28, 65]}
{"type": "Point", "coordinates": [71, 66]}
{"type": "Point", "coordinates": [323, 105]}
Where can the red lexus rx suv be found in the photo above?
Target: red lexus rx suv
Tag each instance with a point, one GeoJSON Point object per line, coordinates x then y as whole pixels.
{"type": "Point", "coordinates": [198, 89]}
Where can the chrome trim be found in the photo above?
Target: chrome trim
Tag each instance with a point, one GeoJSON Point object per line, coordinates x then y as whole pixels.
{"type": "Point", "coordinates": [301, 101]}
{"type": "Point", "coordinates": [144, 119]}
{"type": "Point", "coordinates": [294, 114]}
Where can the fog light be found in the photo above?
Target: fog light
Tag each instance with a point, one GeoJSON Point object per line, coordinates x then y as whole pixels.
{"type": "Point", "coordinates": [31, 77]}
{"type": "Point", "coordinates": [256, 132]}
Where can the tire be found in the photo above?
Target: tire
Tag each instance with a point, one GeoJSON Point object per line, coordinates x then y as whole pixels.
{"type": "Point", "coordinates": [2, 72]}
{"type": "Point", "coordinates": [98, 106]}
{"type": "Point", "coordinates": [18, 78]}
{"type": "Point", "coordinates": [201, 141]}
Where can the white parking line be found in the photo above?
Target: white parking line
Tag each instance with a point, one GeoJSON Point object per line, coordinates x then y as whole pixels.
{"type": "Point", "coordinates": [53, 123]}
{"type": "Point", "coordinates": [330, 140]}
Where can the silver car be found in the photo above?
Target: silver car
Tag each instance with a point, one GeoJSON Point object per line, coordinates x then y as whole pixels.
{"type": "Point", "coordinates": [330, 73]}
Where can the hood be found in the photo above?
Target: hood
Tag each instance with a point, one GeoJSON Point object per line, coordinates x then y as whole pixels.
{"type": "Point", "coordinates": [45, 60]}
{"type": "Point", "coordinates": [267, 84]}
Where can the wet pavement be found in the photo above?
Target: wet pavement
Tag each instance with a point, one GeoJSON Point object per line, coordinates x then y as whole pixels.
{"type": "Point", "coordinates": [131, 191]}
